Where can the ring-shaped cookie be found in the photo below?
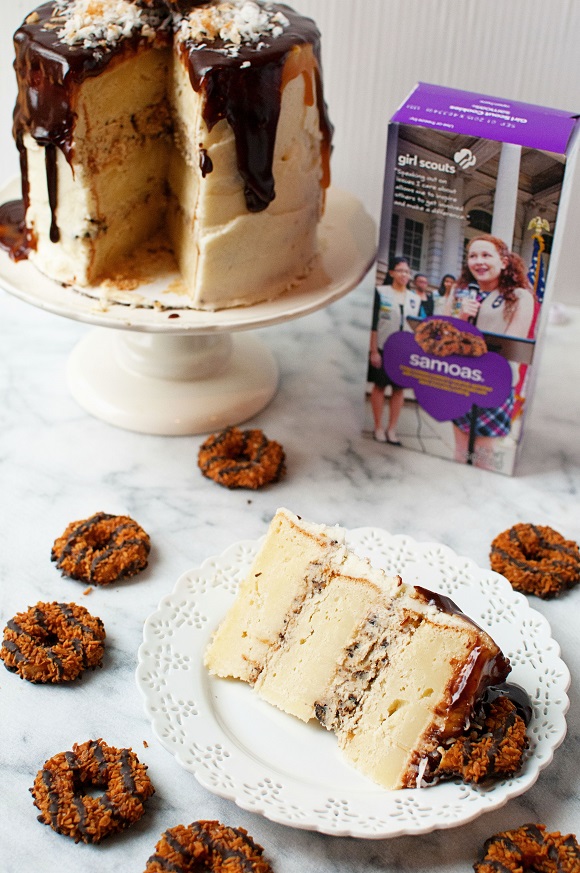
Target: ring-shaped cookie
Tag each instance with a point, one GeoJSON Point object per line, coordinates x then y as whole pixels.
{"type": "Point", "coordinates": [63, 791]}
{"type": "Point", "coordinates": [536, 559]}
{"type": "Point", "coordinates": [102, 549]}
{"type": "Point", "coordinates": [238, 458]}
{"type": "Point", "coordinates": [207, 845]}
{"type": "Point", "coordinates": [52, 642]}
{"type": "Point", "coordinates": [530, 849]}
{"type": "Point", "coordinates": [492, 749]}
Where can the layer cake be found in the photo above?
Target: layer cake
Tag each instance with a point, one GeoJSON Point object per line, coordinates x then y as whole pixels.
{"type": "Point", "coordinates": [204, 120]}
{"type": "Point", "coordinates": [393, 670]}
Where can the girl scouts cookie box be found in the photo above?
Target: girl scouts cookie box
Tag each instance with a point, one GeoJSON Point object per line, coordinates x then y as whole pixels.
{"type": "Point", "coordinates": [473, 192]}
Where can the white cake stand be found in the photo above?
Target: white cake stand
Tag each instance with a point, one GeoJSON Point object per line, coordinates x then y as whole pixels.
{"type": "Point", "coordinates": [177, 371]}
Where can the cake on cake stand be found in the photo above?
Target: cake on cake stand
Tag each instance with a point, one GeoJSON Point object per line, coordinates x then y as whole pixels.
{"type": "Point", "coordinates": [151, 365]}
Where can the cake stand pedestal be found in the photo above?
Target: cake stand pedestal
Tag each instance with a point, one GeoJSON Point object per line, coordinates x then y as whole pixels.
{"type": "Point", "coordinates": [154, 366]}
{"type": "Point", "coordinates": [172, 385]}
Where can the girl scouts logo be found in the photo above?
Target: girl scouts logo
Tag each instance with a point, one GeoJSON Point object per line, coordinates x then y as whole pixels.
{"type": "Point", "coordinates": [465, 158]}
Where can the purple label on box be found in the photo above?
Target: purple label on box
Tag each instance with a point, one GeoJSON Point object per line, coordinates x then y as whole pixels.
{"type": "Point", "coordinates": [464, 112]}
{"type": "Point", "coordinates": [447, 387]}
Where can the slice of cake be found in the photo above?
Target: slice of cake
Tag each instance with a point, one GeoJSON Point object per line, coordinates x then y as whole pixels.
{"type": "Point", "coordinates": [393, 670]}
{"type": "Point", "coordinates": [203, 119]}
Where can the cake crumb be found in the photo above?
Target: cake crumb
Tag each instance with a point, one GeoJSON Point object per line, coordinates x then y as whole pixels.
{"type": "Point", "coordinates": [88, 590]}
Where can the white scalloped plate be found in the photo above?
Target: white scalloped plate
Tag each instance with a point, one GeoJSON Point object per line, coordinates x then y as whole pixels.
{"type": "Point", "coordinates": [240, 748]}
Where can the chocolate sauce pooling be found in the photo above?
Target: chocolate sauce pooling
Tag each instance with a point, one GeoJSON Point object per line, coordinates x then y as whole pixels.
{"type": "Point", "coordinates": [13, 237]}
{"type": "Point", "coordinates": [50, 71]}
{"type": "Point", "coordinates": [518, 696]}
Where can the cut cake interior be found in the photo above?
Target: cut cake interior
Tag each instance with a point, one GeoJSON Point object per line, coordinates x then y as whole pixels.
{"type": "Point", "coordinates": [393, 670]}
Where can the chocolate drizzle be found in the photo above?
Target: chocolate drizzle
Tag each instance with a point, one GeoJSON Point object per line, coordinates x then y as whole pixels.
{"type": "Point", "coordinates": [52, 798]}
{"type": "Point", "coordinates": [205, 163]}
{"type": "Point", "coordinates": [51, 181]}
{"type": "Point", "coordinates": [246, 90]}
{"type": "Point", "coordinates": [515, 693]}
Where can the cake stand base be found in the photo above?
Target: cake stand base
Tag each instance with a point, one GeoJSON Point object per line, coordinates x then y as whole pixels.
{"type": "Point", "coordinates": [171, 385]}
{"type": "Point", "coordinates": [156, 366]}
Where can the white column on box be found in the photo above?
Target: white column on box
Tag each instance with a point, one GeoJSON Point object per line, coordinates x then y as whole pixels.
{"type": "Point", "coordinates": [435, 249]}
{"type": "Point", "coordinates": [453, 240]}
{"type": "Point", "coordinates": [453, 237]}
{"type": "Point", "coordinates": [506, 193]}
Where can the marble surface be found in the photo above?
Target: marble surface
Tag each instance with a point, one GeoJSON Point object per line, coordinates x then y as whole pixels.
{"type": "Point", "coordinates": [57, 463]}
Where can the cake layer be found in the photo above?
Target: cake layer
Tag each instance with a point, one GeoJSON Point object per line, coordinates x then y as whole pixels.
{"type": "Point", "coordinates": [299, 670]}
{"type": "Point", "coordinates": [392, 669]}
{"type": "Point", "coordinates": [267, 596]}
{"type": "Point", "coordinates": [109, 194]}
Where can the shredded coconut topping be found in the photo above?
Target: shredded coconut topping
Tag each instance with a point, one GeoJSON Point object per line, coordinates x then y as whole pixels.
{"type": "Point", "coordinates": [235, 22]}
{"type": "Point", "coordinates": [94, 23]}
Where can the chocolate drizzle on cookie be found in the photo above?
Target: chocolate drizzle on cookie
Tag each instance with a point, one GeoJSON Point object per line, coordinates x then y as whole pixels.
{"type": "Point", "coordinates": [102, 549]}
{"type": "Point", "coordinates": [529, 848]}
{"type": "Point", "coordinates": [207, 845]}
{"type": "Point", "coordinates": [52, 642]}
{"type": "Point", "coordinates": [61, 788]}
{"type": "Point", "coordinates": [241, 459]}
{"type": "Point", "coordinates": [536, 560]}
